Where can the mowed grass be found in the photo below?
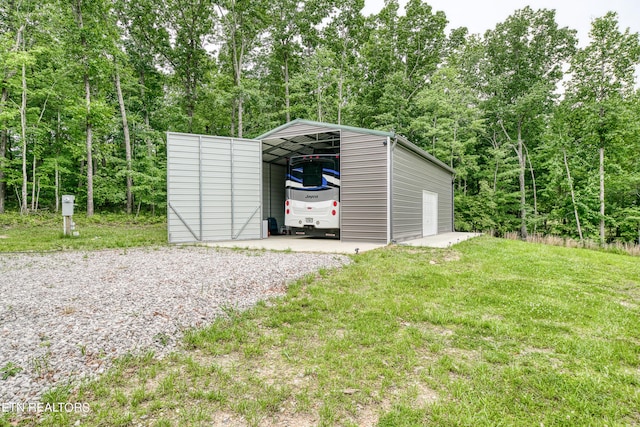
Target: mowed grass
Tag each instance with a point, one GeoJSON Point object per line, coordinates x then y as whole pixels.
{"type": "Point", "coordinates": [491, 332]}
{"type": "Point", "coordinates": [44, 232]}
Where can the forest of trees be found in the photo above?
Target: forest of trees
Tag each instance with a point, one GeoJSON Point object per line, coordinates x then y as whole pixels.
{"type": "Point", "coordinates": [544, 134]}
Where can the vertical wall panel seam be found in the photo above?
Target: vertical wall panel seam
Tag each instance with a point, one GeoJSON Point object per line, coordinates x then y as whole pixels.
{"type": "Point", "coordinates": [200, 183]}
{"type": "Point", "coordinates": [169, 165]}
{"type": "Point", "coordinates": [232, 189]}
{"type": "Point", "coordinates": [389, 191]}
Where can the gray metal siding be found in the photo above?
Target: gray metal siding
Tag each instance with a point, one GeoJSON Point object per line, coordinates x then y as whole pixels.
{"type": "Point", "coordinates": [411, 175]}
{"type": "Point", "coordinates": [213, 187]}
{"type": "Point", "coordinates": [273, 192]}
{"type": "Point", "coordinates": [246, 189]}
{"type": "Point", "coordinates": [216, 191]}
{"type": "Point", "coordinates": [363, 192]}
{"type": "Point", "coordinates": [183, 192]}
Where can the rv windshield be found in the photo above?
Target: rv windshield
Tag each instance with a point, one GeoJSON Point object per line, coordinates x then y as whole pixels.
{"type": "Point", "coordinates": [312, 170]}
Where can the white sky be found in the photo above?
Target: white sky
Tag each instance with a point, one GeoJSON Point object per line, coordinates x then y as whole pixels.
{"type": "Point", "coordinates": [479, 16]}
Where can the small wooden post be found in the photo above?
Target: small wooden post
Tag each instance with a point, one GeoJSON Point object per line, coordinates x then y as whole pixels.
{"type": "Point", "coordinates": [66, 225]}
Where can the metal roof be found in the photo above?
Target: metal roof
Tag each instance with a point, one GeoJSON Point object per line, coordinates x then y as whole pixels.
{"type": "Point", "coordinates": [278, 149]}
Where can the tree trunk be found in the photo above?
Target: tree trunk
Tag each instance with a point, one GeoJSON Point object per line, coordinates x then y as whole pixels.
{"type": "Point", "coordinates": [232, 125]}
{"type": "Point", "coordinates": [238, 57]}
{"type": "Point", "coordinates": [57, 166]}
{"type": "Point", "coordinates": [57, 184]}
{"type": "Point", "coordinates": [240, 110]}
{"type": "Point", "coordinates": [535, 189]}
{"type": "Point", "coordinates": [523, 200]}
{"type": "Point", "coordinates": [37, 196]}
{"type": "Point", "coordinates": [319, 99]}
{"type": "Point", "coordinates": [434, 138]}
{"type": "Point", "coordinates": [144, 99]}
{"type": "Point", "coordinates": [495, 146]}
{"type": "Point", "coordinates": [343, 64]}
{"type": "Point", "coordinates": [573, 197]}
{"type": "Point", "coordinates": [87, 94]}
{"type": "Point", "coordinates": [23, 133]}
{"type": "Point", "coordinates": [3, 151]}
{"type": "Point", "coordinates": [87, 89]}
{"type": "Point", "coordinates": [4, 135]}
{"type": "Point", "coordinates": [453, 143]}
{"type": "Point", "coordinates": [145, 109]}
{"type": "Point", "coordinates": [287, 95]}
{"type": "Point", "coordinates": [238, 65]}
{"type": "Point", "coordinates": [127, 141]}
{"type": "Point", "coordinates": [340, 95]}
{"type": "Point", "coordinates": [190, 107]}
{"type": "Point", "coordinates": [602, 234]}
{"type": "Point", "coordinates": [34, 202]}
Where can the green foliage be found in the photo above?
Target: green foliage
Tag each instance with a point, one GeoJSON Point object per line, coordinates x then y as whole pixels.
{"type": "Point", "coordinates": [477, 212]}
{"type": "Point", "coordinates": [601, 109]}
{"type": "Point", "coordinates": [488, 106]}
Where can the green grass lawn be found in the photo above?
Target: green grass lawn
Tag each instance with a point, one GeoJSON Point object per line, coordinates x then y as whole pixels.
{"type": "Point", "coordinates": [43, 232]}
{"type": "Point", "coordinates": [491, 332]}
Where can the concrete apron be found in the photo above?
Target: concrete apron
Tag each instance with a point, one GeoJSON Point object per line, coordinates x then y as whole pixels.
{"type": "Point", "coordinates": [443, 240]}
{"type": "Point", "coordinates": [314, 244]}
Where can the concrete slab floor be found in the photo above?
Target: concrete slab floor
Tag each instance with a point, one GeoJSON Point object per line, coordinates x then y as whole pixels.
{"type": "Point", "coordinates": [299, 244]}
{"type": "Point", "coordinates": [314, 244]}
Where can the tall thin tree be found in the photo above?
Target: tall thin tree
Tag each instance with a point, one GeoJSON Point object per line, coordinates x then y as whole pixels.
{"type": "Point", "coordinates": [524, 57]}
{"type": "Point", "coordinates": [127, 138]}
{"type": "Point", "coordinates": [602, 76]}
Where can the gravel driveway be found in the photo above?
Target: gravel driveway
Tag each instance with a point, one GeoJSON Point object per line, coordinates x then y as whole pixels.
{"type": "Point", "coordinates": [66, 315]}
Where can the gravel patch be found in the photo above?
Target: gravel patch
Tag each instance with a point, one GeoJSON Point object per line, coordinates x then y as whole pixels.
{"type": "Point", "coordinates": [65, 316]}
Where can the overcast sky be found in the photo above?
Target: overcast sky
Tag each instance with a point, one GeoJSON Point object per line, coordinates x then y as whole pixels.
{"type": "Point", "coordinates": [479, 16]}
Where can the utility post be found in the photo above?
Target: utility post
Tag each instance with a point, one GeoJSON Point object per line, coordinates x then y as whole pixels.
{"type": "Point", "coordinates": [67, 214]}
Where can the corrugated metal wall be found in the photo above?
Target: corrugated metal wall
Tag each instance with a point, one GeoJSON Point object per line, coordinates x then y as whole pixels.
{"type": "Point", "coordinates": [246, 201]}
{"type": "Point", "coordinates": [183, 191]}
{"type": "Point", "coordinates": [273, 194]}
{"type": "Point", "coordinates": [213, 188]}
{"type": "Point", "coordinates": [363, 164]}
{"type": "Point", "coordinates": [411, 175]}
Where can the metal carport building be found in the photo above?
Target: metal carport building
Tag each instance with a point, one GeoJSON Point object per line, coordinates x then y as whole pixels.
{"type": "Point", "coordinates": [221, 188]}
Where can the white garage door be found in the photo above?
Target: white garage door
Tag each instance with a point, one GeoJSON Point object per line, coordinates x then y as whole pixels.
{"type": "Point", "coordinates": [214, 189]}
{"type": "Point", "coordinates": [429, 213]}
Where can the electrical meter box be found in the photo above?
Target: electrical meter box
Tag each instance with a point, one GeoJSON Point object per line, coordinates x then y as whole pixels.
{"type": "Point", "coordinates": [67, 205]}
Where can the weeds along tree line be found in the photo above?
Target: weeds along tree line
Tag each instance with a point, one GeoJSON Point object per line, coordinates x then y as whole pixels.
{"type": "Point", "coordinates": [544, 134]}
